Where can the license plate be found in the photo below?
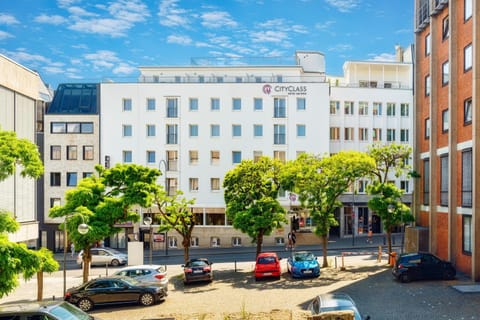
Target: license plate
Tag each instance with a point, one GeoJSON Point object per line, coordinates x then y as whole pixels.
{"type": "Point", "coordinates": [267, 273]}
{"type": "Point", "coordinates": [307, 271]}
{"type": "Point", "coordinates": [197, 271]}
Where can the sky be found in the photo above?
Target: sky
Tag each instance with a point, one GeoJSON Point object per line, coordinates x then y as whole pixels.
{"type": "Point", "coordinates": [71, 41]}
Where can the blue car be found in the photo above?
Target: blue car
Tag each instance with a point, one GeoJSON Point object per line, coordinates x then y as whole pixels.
{"type": "Point", "coordinates": [303, 264]}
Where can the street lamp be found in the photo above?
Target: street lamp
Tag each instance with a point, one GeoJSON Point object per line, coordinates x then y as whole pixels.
{"type": "Point", "coordinates": [148, 221]}
{"type": "Point", "coordinates": [82, 229]}
{"type": "Point", "coordinates": [165, 187]}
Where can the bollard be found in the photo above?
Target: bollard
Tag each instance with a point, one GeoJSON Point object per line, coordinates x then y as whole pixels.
{"type": "Point", "coordinates": [343, 262]}
{"type": "Point", "coordinates": [379, 258]}
{"type": "Point", "coordinates": [235, 265]}
{"type": "Point", "coordinates": [336, 262]}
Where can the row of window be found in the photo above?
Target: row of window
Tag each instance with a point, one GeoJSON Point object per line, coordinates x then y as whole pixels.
{"type": "Point", "coordinates": [213, 79]}
{"type": "Point", "coordinates": [71, 127]}
{"type": "Point", "coordinates": [363, 108]}
{"type": "Point", "coordinates": [467, 118]}
{"type": "Point", "coordinates": [71, 178]}
{"type": "Point", "coordinates": [172, 105]}
{"type": "Point", "coordinates": [363, 134]}
{"type": "Point", "coordinates": [71, 152]}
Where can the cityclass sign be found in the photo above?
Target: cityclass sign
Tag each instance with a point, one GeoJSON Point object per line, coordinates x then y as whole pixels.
{"type": "Point", "coordinates": [289, 89]}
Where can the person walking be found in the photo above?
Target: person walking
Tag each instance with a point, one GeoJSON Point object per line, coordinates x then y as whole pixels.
{"type": "Point", "coordinates": [292, 239]}
{"type": "Point", "coordinates": [72, 248]}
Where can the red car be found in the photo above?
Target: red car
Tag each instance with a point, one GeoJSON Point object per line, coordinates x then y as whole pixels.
{"type": "Point", "coordinates": [267, 266]}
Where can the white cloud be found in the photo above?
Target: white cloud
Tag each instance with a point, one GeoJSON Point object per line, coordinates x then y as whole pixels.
{"type": "Point", "coordinates": [341, 48]}
{"type": "Point", "coordinates": [171, 15]}
{"type": "Point", "coordinates": [218, 19]}
{"type": "Point", "coordinates": [183, 40]}
{"type": "Point", "coordinates": [343, 5]}
{"type": "Point", "coordinates": [129, 10]}
{"type": "Point", "coordinates": [5, 35]}
{"type": "Point", "coordinates": [387, 57]}
{"type": "Point", "coordinates": [112, 27]}
{"type": "Point", "coordinates": [269, 36]}
{"type": "Point", "coordinates": [7, 19]}
{"type": "Point", "coordinates": [124, 68]}
{"type": "Point", "coordinates": [55, 19]}
{"type": "Point", "coordinates": [102, 59]}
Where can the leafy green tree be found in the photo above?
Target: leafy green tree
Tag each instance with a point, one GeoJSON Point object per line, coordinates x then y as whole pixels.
{"type": "Point", "coordinates": [47, 263]}
{"type": "Point", "coordinates": [103, 201]}
{"type": "Point", "coordinates": [319, 181]}
{"type": "Point", "coordinates": [250, 192]}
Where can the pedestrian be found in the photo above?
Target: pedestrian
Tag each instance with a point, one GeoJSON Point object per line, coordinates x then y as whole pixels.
{"type": "Point", "coordinates": [292, 239]}
{"type": "Point", "coordinates": [72, 248]}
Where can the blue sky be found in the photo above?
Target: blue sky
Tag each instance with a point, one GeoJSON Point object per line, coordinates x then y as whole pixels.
{"type": "Point", "coordinates": [95, 40]}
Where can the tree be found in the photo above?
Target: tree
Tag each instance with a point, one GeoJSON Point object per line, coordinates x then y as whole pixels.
{"type": "Point", "coordinates": [103, 201]}
{"type": "Point", "coordinates": [391, 159]}
{"type": "Point", "coordinates": [176, 214]}
{"type": "Point", "coordinates": [250, 192]}
{"type": "Point", "coordinates": [319, 181]}
{"type": "Point", "coordinates": [47, 263]}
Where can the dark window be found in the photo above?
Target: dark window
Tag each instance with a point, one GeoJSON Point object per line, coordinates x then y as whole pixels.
{"type": "Point", "coordinates": [467, 234]}
{"type": "Point", "coordinates": [444, 180]}
{"type": "Point", "coordinates": [71, 179]}
{"type": "Point", "coordinates": [467, 111]}
{"type": "Point", "coordinates": [445, 28]}
{"type": "Point", "coordinates": [55, 179]}
{"type": "Point", "coordinates": [172, 108]}
{"type": "Point", "coordinates": [279, 108]}
{"type": "Point", "coordinates": [172, 134]}
{"type": "Point", "coordinates": [426, 181]}
{"type": "Point", "coordinates": [467, 185]}
{"type": "Point", "coordinates": [445, 121]}
{"type": "Point", "coordinates": [427, 128]}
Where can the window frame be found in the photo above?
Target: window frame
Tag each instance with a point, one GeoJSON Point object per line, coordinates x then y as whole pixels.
{"type": "Point", "coordinates": [445, 120]}
{"type": "Point", "coordinates": [257, 130]}
{"type": "Point", "coordinates": [445, 28]}
{"type": "Point", "coordinates": [193, 104]}
{"type": "Point", "coordinates": [301, 104]}
{"type": "Point", "coordinates": [444, 180]}
{"type": "Point", "coordinates": [193, 130]}
{"type": "Point", "coordinates": [467, 178]}
{"type": "Point", "coordinates": [445, 73]}
{"type": "Point", "coordinates": [301, 130]}
{"type": "Point", "coordinates": [467, 10]}
{"type": "Point", "coordinates": [72, 152]}
{"type": "Point", "coordinates": [428, 44]}
{"type": "Point", "coordinates": [127, 104]}
{"type": "Point", "coordinates": [55, 152]}
{"type": "Point", "coordinates": [236, 104]}
{"type": "Point", "coordinates": [428, 129]}
{"type": "Point", "coordinates": [72, 179]}
{"type": "Point", "coordinates": [467, 111]}
{"type": "Point", "coordinates": [468, 57]}
{"type": "Point", "coordinates": [88, 152]}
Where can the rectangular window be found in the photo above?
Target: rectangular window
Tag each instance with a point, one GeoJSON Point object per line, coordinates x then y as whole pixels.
{"type": "Point", "coordinates": [236, 130]}
{"type": "Point", "coordinates": [301, 130]}
{"type": "Point", "coordinates": [279, 108]}
{"type": "Point", "coordinates": [55, 152]}
{"type": "Point", "coordinates": [362, 186]}
{"type": "Point", "coordinates": [467, 234]}
{"type": "Point", "coordinates": [445, 121]}
{"type": "Point", "coordinates": [467, 57]}
{"type": "Point", "coordinates": [363, 108]}
{"type": "Point", "coordinates": [467, 9]}
{"type": "Point", "coordinates": [467, 178]}
{"type": "Point", "coordinates": [390, 135]}
{"type": "Point", "coordinates": [467, 111]}
{"type": "Point", "coordinates": [215, 157]}
{"type": "Point", "coordinates": [151, 157]}
{"type": "Point", "coordinates": [363, 134]}
{"type": "Point", "coordinates": [193, 184]}
{"type": "Point", "coordinates": [377, 108]}
{"type": "Point", "coordinates": [193, 104]}
{"type": "Point", "coordinates": [71, 179]}
{"type": "Point", "coordinates": [426, 181]}
{"type": "Point", "coordinates": [127, 156]}
{"type": "Point", "coordinates": [172, 134]}
{"type": "Point", "coordinates": [301, 104]}
{"type": "Point", "coordinates": [215, 104]}
{"type": "Point", "coordinates": [236, 157]}
{"type": "Point", "coordinates": [348, 107]}
{"type": "Point", "coordinates": [126, 130]}
{"type": "Point", "coordinates": [258, 130]}
{"type": "Point", "coordinates": [348, 134]}
{"type": "Point", "coordinates": [73, 127]}
{"type": "Point", "coordinates": [404, 109]}
{"type": "Point", "coordinates": [55, 179]}
{"type": "Point", "coordinates": [150, 130]}
{"type": "Point", "coordinates": [257, 155]}
{"type": "Point", "coordinates": [193, 156]}
{"type": "Point", "coordinates": [215, 130]}
{"type": "Point", "coordinates": [405, 186]}
{"type": "Point", "coordinates": [172, 160]}
{"type": "Point", "coordinates": [151, 106]}
{"type": "Point", "coordinates": [238, 79]}
{"type": "Point", "coordinates": [404, 135]}
{"type": "Point", "coordinates": [335, 133]}
{"type": "Point", "coordinates": [87, 175]}
{"type": "Point", "coordinates": [334, 107]}
{"type": "Point", "coordinates": [172, 186]}
{"type": "Point", "coordinates": [236, 104]}
{"type": "Point", "coordinates": [377, 134]}
{"type": "Point", "coordinates": [279, 155]}
{"type": "Point", "coordinates": [428, 45]}
{"type": "Point", "coordinates": [87, 152]}
{"type": "Point", "coordinates": [445, 73]}
{"type": "Point", "coordinates": [172, 107]}
{"type": "Point", "coordinates": [58, 127]}
{"type": "Point", "coordinates": [427, 85]}
{"type": "Point", "coordinates": [279, 134]}
{"type": "Point", "coordinates": [193, 130]}
{"type": "Point", "coordinates": [214, 184]}
{"type": "Point", "coordinates": [391, 109]}
{"type": "Point", "coordinates": [72, 152]}
{"type": "Point", "coordinates": [86, 127]}
{"type": "Point", "coordinates": [55, 202]}
{"type": "Point", "coordinates": [444, 180]}
{"type": "Point", "coordinates": [127, 104]}
{"type": "Point", "coordinates": [427, 128]}
{"type": "Point", "coordinates": [445, 28]}
{"type": "Point", "coordinates": [257, 104]}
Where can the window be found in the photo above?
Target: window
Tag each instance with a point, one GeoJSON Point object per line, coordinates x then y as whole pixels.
{"type": "Point", "coordinates": [215, 130]}
{"type": "Point", "coordinates": [258, 130]}
{"type": "Point", "coordinates": [238, 79]}
{"type": "Point", "coordinates": [428, 45]}
{"type": "Point", "coordinates": [193, 184]}
{"type": "Point", "coordinates": [127, 156]}
{"type": "Point", "coordinates": [377, 134]}
{"type": "Point", "coordinates": [301, 104]}
{"type": "Point", "coordinates": [236, 157]}
{"type": "Point", "coordinates": [348, 107]}
{"type": "Point", "coordinates": [258, 79]}
{"type": "Point", "coordinates": [257, 104]}
{"type": "Point", "coordinates": [467, 57]}
{"type": "Point", "coordinates": [172, 160]}
{"type": "Point", "coordinates": [73, 127]}
{"type": "Point", "coordinates": [127, 130]}
{"type": "Point", "coordinates": [427, 85]}
{"type": "Point", "coordinates": [87, 175]}
{"type": "Point", "coordinates": [195, 241]}
{"type": "Point", "coordinates": [391, 109]}
{"type": "Point", "coordinates": [55, 152]}
{"type": "Point", "coordinates": [279, 155]}
{"type": "Point", "coordinates": [214, 184]}
{"type": "Point", "coordinates": [86, 127]}
{"type": "Point", "coordinates": [363, 134]}
{"type": "Point", "coordinates": [236, 242]}
{"type": "Point", "coordinates": [193, 130]}
{"type": "Point", "coordinates": [445, 73]}
{"type": "Point", "coordinates": [71, 179]}
{"type": "Point", "coordinates": [236, 104]}
{"type": "Point", "coordinates": [236, 130]}
{"type": "Point", "coordinates": [405, 186]}
{"type": "Point", "coordinates": [150, 130]}
{"type": "Point", "coordinates": [467, 111]}
{"type": "Point", "coordinates": [257, 155]}
{"type": "Point", "coordinates": [151, 104]}
{"type": "Point", "coordinates": [127, 104]}
{"type": "Point", "coordinates": [362, 186]}
{"type": "Point", "coordinates": [467, 178]}
{"type": "Point", "coordinates": [390, 135]}
{"type": "Point", "coordinates": [334, 107]}
{"type": "Point", "coordinates": [72, 153]}
{"type": "Point", "coordinates": [279, 108]}
{"type": "Point", "coordinates": [201, 79]}
{"type": "Point", "coordinates": [301, 130]}
{"type": "Point", "coordinates": [335, 133]}
{"type": "Point", "coordinates": [172, 186]}
{"type": "Point", "coordinates": [55, 179]}
{"type": "Point", "coordinates": [427, 128]}
{"type": "Point", "coordinates": [445, 28]}
{"type": "Point", "coordinates": [348, 134]}
{"type": "Point", "coordinates": [404, 135]}
{"type": "Point", "coordinates": [193, 104]}
{"type": "Point", "coordinates": [58, 127]}
{"type": "Point", "coordinates": [426, 181]}
{"type": "Point", "coordinates": [151, 157]}
{"type": "Point", "coordinates": [215, 157]}
{"type": "Point", "coordinates": [467, 9]}
{"type": "Point", "coordinates": [172, 134]}
{"type": "Point", "coordinates": [467, 234]}
{"type": "Point", "coordinates": [444, 180]}
{"type": "Point", "coordinates": [445, 125]}
{"type": "Point", "coordinates": [404, 109]}
{"type": "Point", "coordinates": [215, 104]}
{"type": "Point", "coordinates": [193, 156]}
{"type": "Point", "coordinates": [363, 108]}
{"type": "Point", "coordinates": [377, 108]}
{"type": "Point", "coordinates": [172, 107]}
{"type": "Point", "coordinates": [87, 152]}
{"type": "Point", "coordinates": [55, 202]}
{"type": "Point", "coordinates": [279, 134]}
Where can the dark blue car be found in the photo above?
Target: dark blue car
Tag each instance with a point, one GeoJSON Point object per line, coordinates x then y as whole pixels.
{"type": "Point", "coordinates": [303, 264]}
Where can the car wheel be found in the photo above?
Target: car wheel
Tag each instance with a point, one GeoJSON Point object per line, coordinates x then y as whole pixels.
{"type": "Point", "coordinates": [404, 277]}
{"type": "Point", "coordinates": [147, 299]}
{"type": "Point", "coordinates": [85, 304]}
{"type": "Point", "coordinates": [448, 275]}
{"type": "Point", "coordinates": [115, 262]}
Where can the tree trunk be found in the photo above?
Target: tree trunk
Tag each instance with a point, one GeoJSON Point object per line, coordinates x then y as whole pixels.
{"type": "Point", "coordinates": [324, 250]}
{"type": "Point", "coordinates": [40, 286]}
{"type": "Point", "coordinates": [389, 241]}
{"type": "Point", "coordinates": [186, 249]}
{"type": "Point", "coordinates": [259, 243]}
{"type": "Point", "coordinates": [87, 257]}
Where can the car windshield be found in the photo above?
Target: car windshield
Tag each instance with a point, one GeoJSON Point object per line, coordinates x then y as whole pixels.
{"type": "Point", "coordinates": [131, 281]}
{"type": "Point", "coordinates": [197, 263]}
{"type": "Point", "coordinates": [66, 311]}
{"type": "Point", "coordinates": [306, 256]}
{"type": "Point", "coordinates": [113, 251]}
{"type": "Point", "coordinates": [266, 260]}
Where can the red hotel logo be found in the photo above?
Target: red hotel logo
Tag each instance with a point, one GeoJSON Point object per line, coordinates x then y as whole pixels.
{"type": "Point", "coordinates": [267, 89]}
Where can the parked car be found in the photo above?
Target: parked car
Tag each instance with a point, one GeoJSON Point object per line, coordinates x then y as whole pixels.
{"type": "Point", "coordinates": [267, 265]}
{"type": "Point", "coordinates": [103, 256]}
{"type": "Point", "coordinates": [151, 273]}
{"type": "Point", "coordinates": [303, 264]}
{"type": "Point", "coordinates": [199, 269]}
{"type": "Point", "coordinates": [114, 290]}
{"type": "Point", "coordinates": [51, 310]}
{"type": "Point", "coordinates": [330, 302]}
{"type": "Point", "coordinates": [422, 265]}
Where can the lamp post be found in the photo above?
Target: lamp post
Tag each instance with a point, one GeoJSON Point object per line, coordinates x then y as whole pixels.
{"type": "Point", "coordinates": [165, 186]}
{"type": "Point", "coordinates": [82, 229]}
{"type": "Point", "coordinates": [148, 221]}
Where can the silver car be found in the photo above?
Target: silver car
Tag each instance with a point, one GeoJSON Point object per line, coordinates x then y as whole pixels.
{"type": "Point", "coordinates": [104, 256]}
{"type": "Point", "coordinates": [331, 302]}
{"type": "Point", "coordinates": [151, 273]}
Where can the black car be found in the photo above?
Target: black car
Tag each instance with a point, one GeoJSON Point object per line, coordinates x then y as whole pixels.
{"type": "Point", "coordinates": [114, 290]}
{"type": "Point", "coordinates": [51, 310]}
{"type": "Point", "coordinates": [422, 265]}
{"type": "Point", "coordinates": [197, 270]}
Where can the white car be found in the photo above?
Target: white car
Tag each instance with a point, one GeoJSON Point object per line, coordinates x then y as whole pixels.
{"type": "Point", "coordinates": [104, 256]}
{"type": "Point", "coordinates": [151, 273]}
